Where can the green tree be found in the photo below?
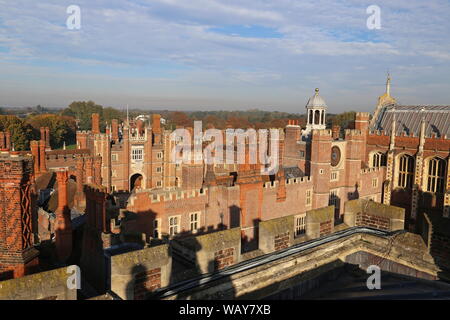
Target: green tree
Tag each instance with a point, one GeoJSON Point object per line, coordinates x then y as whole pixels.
{"type": "Point", "coordinates": [62, 128]}
{"type": "Point", "coordinates": [343, 119]}
{"type": "Point", "coordinates": [108, 114]}
{"type": "Point", "coordinates": [21, 133]}
{"type": "Point", "coordinates": [82, 111]}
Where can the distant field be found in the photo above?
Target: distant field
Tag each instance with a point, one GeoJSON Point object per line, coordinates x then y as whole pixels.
{"type": "Point", "coordinates": [69, 147]}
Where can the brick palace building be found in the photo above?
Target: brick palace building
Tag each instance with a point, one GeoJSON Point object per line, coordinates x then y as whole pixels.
{"type": "Point", "coordinates": [399, 156]}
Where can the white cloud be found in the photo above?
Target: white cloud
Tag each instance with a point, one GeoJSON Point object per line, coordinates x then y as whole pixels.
{"type": "Point", "coordinates": [323, 43]}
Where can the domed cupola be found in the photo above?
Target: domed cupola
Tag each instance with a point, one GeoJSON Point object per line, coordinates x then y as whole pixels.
{"type": "Point", "coordinates": [316, 109]}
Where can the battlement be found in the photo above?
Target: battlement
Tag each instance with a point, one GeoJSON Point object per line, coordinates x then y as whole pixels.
{"type": "Point", "coordinates": [290, 181]}
{"type": "Point", "coordinates": [371, 170]}
{"type": "Point", "coordinates": [74, 152]}
{"type": "Point", "coordinates": [405, 134]}
{"type": "Point", "coordinates": [101, 136]}
{"type": "Point", "coordinates": [353, 133]}
{"type": "Point", "coordinates": [362, 116]}
{"type": "Point", "coordinates": [321, 132]}
{"type": "Point", "coordinates": [298, 180]}
{"type": "Point", "coordinates": [85, 132]}
{"type": "Point", "coordinates": [271, 184]}
{"type": "Point", "coordinates": [138, 137]}
{"type": "Point", "coordinates": [378, 133]}
{"type": "Point", "coordinates": [172, 195]}
{"type": "Point", "coordinates": [14, 155]}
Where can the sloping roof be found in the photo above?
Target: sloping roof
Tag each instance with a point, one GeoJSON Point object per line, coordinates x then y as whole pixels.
{"type": "Point", "coordinates": [45, 180]}
{"type": "Point", "coordinates": [408, 119]}
{"type": "Point", "coordinates": [292, 172]}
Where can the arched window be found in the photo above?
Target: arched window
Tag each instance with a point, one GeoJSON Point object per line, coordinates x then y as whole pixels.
{"type": "Point", "coordinates": [322, 120]}
{"type": "Point", "coordinates": [378, 160]}
{"type": "Point", "coordinates": [405, 171]}
{"type": "Point", "coordinates": [317, 117]}
{"type": "Point", "coordinates": [436, 175]}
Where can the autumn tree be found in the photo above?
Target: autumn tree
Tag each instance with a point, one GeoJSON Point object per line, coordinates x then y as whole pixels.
{"type": "Point", "coordinates": [342, 119]}
{"type": "Point", "coordinates": [179, 118]}
{"type": "Point", "coordinates": [82, 112]}
{"type": "Point", "coordinates": [62, 128]}
{"type": "Point", "coordinates": [108, 114]}
{"type": "Point", "coordinates": [21, 133]}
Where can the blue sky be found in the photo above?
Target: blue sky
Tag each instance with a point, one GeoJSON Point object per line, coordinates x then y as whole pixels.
{"type": "Point", "coordinates": [223, 54]}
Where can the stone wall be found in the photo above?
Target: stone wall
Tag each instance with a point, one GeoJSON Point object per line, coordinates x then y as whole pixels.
{"type": "Point", "coordinates": [134, 275]}
{"type": "Point", "coordinates": [319, 222]}
{"type": "Point", "coordinates": [436, 234]}
{"type": "Point", "coordinates": [368, 213]}
{"type": "Point", "coordinates": [49, 285]}
{"type": "Point", "coordinates": [403, 253]}
{"type": "Point", "coordinates": [211, 251]}
{"type": "Point", "coordinates": [276, 234]}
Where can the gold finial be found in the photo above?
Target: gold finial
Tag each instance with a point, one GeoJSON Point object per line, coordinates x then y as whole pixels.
{"type": "Point", "coordinates": [317, 90]}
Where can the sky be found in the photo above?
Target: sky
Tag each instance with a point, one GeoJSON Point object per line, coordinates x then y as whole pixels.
{"type": "Point", "coordinates": [223, 54]}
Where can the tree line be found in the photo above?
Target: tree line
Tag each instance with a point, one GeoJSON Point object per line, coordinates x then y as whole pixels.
{"type": "Point", "coordinates": [64, 123]}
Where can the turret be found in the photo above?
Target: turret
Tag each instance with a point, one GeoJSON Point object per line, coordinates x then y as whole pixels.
{"type": "Point", "coordinates": [315, 111]}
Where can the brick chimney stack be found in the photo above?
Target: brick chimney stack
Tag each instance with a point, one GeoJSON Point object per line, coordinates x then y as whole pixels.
{"type": "Point", "coordinates": [156, 123]}
{"type": "Point", "coordinates": [34, 145]}
{"type": "Point", "coordinates": [98, 171]}
{"type": "Point", "coordinates": [2, 140]}
{"type": "Point", "coordinates": [63, 226]}
{"type": "Point", "coordinates": [156, 127]}
{"type": "Point", "coordinates": [115, 130]}
{"type": "Point", "coordinates": [281, 191]}
{"type": "Point", "coordinates": [47, 138]}
{"type": "Point", "coordinates": [95, 123]}
{"type": "Point", "coordinates": [335, 132]}
{"type": "Point", "coordinates": [80, 175]}
{"type": "Point", "coordinates": [89, 170]}
{"type": "Point", "coordinates": [42, 164]}
{"type": "Point", "coordinates": [8, 140]}
{"type": "Point", "coordinates": [18, 256]}
{"type": "Point", "coordinates": [42, 129]}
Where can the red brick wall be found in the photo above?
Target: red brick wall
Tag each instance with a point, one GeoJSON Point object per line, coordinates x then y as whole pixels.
{"type": "Point", "coordinates": [95, 123]}
{"type": "Point", "coordinates": [223, 258]}
{"type": "Point", "coordinates": [364, 219]}
{"type": "Point", "coordinates": [146, 282]}
{"type": "Point", "coordinates": [325, 228]}
{"type": "Point", "coordinates": [17, 211]}
{"type": "Point", "coordinates": [282, 241]}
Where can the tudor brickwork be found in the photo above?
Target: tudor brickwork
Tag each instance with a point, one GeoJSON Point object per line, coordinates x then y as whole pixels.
{"type": "Point", "coordinates": [17, 211]}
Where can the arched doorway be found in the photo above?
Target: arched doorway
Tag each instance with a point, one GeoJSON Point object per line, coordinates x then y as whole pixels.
{"type": "Point", "coordinates": [136, 181]}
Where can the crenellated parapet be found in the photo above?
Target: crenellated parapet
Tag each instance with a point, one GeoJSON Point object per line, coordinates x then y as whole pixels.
{"type": "Point", "coordinates": [299, 180]}
{"type": "Point", "coordinates": [371, 170]}
{"type": "Point", "coordinates": [271, 184]}
{"type": "Point", "coordinates": [321, 133]}
{"type": "Point", "coordinates": [174, 196]}
{"type": "Point", "coordinates": [354, 134]}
